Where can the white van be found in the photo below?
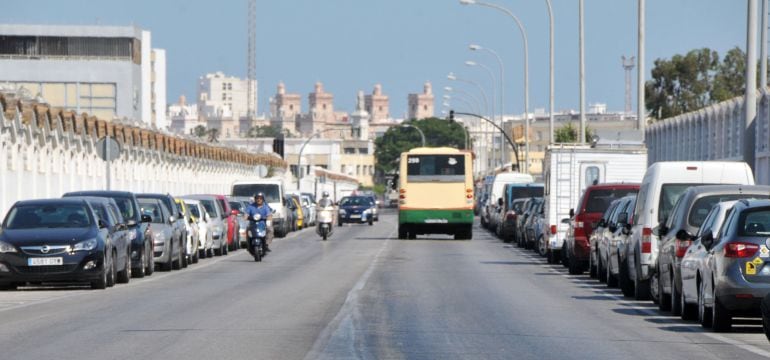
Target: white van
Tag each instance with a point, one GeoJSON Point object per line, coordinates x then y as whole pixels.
{"type": "Point", "coordinates": [661, 187]}
{"type": "Point", "coordinates": [274, 195]}
{"type": "Point", "coordinates": [497, 193]}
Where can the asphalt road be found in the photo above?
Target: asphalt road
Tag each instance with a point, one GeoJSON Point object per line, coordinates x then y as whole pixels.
{"type": "Point", "coordinates": [360, 295]}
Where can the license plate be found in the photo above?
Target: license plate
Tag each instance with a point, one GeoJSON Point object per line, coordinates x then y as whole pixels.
{"type": "Point", "coordinates": [45, 261]}
{"type": "Point", "coordinates": [355, 216]}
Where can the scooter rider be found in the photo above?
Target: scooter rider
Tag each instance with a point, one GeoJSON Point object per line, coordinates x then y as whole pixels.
{"type": "Point", "coordinates": [325, 201]}
{"type": "Point", "coordinates": [259, 206]}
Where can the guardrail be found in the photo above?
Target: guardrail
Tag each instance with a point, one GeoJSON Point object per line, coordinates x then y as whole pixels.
{"type": "Point", "coordinates": [46, 152]}
{"type": "Point", "coordinates": [713, 133]}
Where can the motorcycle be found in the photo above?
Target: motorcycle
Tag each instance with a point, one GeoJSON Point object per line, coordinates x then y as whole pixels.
{"type": "Point", "coordinates": [257, 234]}
{"type": "Point", "coordinates": [324, 220]}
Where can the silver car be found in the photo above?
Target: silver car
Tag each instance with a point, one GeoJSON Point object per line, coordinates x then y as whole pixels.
{"type": "Point", "coordinates": [167, 250]}
{"type": "Point", "coordinates": [616, 245]}
{"type": "Point", "coordinates": [736, 276]}
{"type": "Point", "coordinates": [599, 240]}
{"type": "Point", "coordinates": [216, 221]}
{"type": "Point", "coordinates": [201, 219]}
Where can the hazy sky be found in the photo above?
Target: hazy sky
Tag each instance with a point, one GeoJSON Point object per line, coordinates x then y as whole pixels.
{"type": "Point", "coordinates": [350, 45]}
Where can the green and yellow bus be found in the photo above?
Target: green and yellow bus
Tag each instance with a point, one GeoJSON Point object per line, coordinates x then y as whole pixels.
{"type": "Point", "coordinates": [435, 193]}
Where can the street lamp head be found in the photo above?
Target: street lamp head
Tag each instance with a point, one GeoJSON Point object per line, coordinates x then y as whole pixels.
{"type": "Point", "coordinates": [451, 76]}
{"type": "Point", "coordinates": [446, 104]}
{"type": "Point", "coordinates": [448, 88]}
{"type": "Point", "coordinates": [467, 2]}
{"type": "Point", "coordinates": [447, 97]}
{"type": "Point", "coordinates": [470, 63]}
{"type": "Point", "coordinates": [474, 47]}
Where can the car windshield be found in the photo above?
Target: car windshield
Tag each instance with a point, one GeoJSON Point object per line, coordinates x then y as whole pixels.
{"type": "Point", "coordinates": [522, 192]}
{"type": "Point", "coordinates": [48, 216]}
{"type": "Point", "coordinates": [100, 212]}
{"type": "Point", "coordinates": [194, 210]}
{"type": "Point", "coordinates": [126, 206]}
{"type": "Point", "coordinates": [754, 222]}
{"type": "Point", "coordinates": [669, 194]}
{"type": "Point", "coordinates": [211, 208]}
{"type": "Point", "coordinates": [356, 201]}
{"type": "Point", "coordinates": [152, 209]}
{"type": "Point", "coordinates": [236, 205]}
{"type": "Point", "coordinates": [700, 209]}
{"type": "Point", "coordinates": [600, 199]}
{"type": "Point", "coordinates": [443, 168]}
{"type": "Point", "coordinates": [272, 191]}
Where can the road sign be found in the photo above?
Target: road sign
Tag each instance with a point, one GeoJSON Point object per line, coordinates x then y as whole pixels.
{"type": "Point", "coordinates": [108, 145]}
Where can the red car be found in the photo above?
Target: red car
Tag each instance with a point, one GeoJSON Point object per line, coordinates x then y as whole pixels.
{"type": "Point", "coordinates": [232, 222]}
{"type": "Point", "coordinates": [591, 206]}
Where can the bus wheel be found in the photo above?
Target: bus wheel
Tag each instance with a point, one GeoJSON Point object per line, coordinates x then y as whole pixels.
{"type": "Point", "coordinates": [402, 232]}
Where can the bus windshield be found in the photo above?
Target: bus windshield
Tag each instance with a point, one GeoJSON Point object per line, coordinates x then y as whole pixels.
{"type": "Point", "coordinates": [435, 168]}
{"type": "Point", "coordinates": [271, 191]}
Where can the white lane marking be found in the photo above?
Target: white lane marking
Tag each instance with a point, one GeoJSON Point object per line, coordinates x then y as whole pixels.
{"type": "Point", "coordinates": [343, 320]}
{"type": "Point", "coordinates": [656, 314]}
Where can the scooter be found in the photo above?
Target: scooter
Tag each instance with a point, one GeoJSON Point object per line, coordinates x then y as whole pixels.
{"type": "Point", "coordinates": [325, 219]}
{"type": "Point", "coordinates": [257, 234]}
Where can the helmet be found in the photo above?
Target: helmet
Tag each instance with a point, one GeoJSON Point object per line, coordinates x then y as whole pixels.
{"type": "Point", "coordinates": [259, 195]}
{"type": "Point", "coordinates": [325, 194]}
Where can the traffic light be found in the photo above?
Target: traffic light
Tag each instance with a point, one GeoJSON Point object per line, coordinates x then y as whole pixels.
{"type": "Point", "coordinates": [451, 115]}
{"type": "Point", "coordinates": [278, 145]}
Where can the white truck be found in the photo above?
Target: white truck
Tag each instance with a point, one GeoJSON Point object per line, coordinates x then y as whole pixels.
{"type": "Point", "coordinates": [569, 168]}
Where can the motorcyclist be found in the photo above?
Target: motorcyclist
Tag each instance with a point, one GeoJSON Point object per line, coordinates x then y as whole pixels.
{"type": "Point", "coordinates": [259, 206]}
{"type": "Point", "coordinates": [325, 200]}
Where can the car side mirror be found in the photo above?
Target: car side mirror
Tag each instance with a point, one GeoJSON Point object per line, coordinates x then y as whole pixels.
{"type": "Point", "coordinates": [622, 219]}
{"type": "Point", "coordinates": [626, 229]}
{"type": "Point", "coordinates": [613, 227]}
{"type": "Point", "coordinates": [707, 240]}
{"type": "Point", "coordinates": [500, 202]}
{"type": "Point", "coordinates": [146, 218]}
{"type": "Point", "coordinates": [571, 213]}
{"type": "Point", "coordinates": [565, 221]}
{"type": "Point", "coordinates": [235, 212]}
{"type": "Point", "coordinates": [171, 219]}
{"type": "Point", "coordinates": [660, 230]}
{"type": "Point", "coordinates": [131, 223]}
{"type": "Point", "coordinates": [542, 211]}
{"type": "Point", "coordinates": [102, 224]}
{"type": "Point", "coordinates": [191, 221]}
{"type": "Point", "coordinates": [683, 235]}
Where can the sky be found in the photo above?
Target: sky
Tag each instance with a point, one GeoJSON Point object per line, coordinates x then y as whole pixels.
{"type": "Point", "coordinates": [351, 45]}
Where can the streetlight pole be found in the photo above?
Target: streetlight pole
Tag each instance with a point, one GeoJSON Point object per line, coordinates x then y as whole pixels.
{"type": "Point", "coordinates": [494, 96]}
{"type": "Point", "coordinates": [453, 77]}
{"type": "Point", "coordinates": [475, 102]}
{"type": "Point", "coordinates": [550, 73]}
{"type": "Point", "coordinates": [581, 133]}
{"type": "Point", "coordinates": [422, 135]}
{"type": "Point", "coordinates": [508, 138]}
{"type": "Point", "coordinates": [641, 120]}
{"type": "Point", "coordinates": [474, 47]}
{"type": "Point", "coordinates": [301, 150]}
{"type": "Point", "coordinates": [526, 70]}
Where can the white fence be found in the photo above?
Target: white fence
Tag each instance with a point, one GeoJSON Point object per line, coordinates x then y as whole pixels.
{"type": "Point", "coordinates": [44, 154]}
{"type": "Point", "coordinates": [713, 133]}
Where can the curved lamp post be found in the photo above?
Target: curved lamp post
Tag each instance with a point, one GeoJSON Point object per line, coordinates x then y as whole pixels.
{"type": "Point", "coordinates": [422, 135]}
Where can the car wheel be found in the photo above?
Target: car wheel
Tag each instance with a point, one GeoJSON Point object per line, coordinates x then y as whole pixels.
{"type": "Point", "coordinates": [141, 271]}
{"type": "Point", "coordinates": [704, 313]}
{"type": "Point", "coordinates": [689, 311]}
{"type": "Point", "coordinates": [225, 250]}
{"type": "Point", "coordinates": [601, 272]}
{"type": "Point", "coordinates": [150, 261]}
{"type": "Point", "coordinates": [626, 286]}
{"type": "Point", "coordinates": [125, 275]}
{"type": "Point", "coordinates": [574, 266]}
{"type": "Point", "coordinates": [676, 303]}
{"type": "Point", "coordinates": [210, 253]}
{"type": "Point", "coordinates": [592, 267]}
{"type": "Point", "coordinates": [371, 222]}
{"type": "Point", "coordinates": [111, 278]}
{"type": "Point", "coordinates": [201, 254]}
{"type": "Point", "coordinates": [612, 281]}
{"type": "Point", "coordinates": [641, 287]}
{"type": "Point", "coordinates": [176, 263]}
{"type": "Point", "coordinates": [7, 286]}
{"type": "Point", "coordinates": [101, 283]}
{"type": "Point", "coordinates": [764, 308]}
{"type": "Point", "coordinates": [551, 257]}
{"type": "Point", "coordinates": [721, 319]}
{"type": "Point", "coordinates": [664, 301]}
{"type": "Point", "coordinates": [218, 252]}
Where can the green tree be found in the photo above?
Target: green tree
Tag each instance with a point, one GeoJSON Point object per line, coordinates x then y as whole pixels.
{"type": "Point", "coordinates": [730, 82]}
{"type": "Point", "coordinates": [199, 131]}
{"type": "Point", "coordinates": [568, 133]}
{"type": "Point", "coordinates": [213, 135]}
{"type": "Point", "coordinates": [438, 132]}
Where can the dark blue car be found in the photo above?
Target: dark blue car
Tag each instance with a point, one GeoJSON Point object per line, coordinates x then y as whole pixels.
{"type": "Point", "coordinates": [356, 209]}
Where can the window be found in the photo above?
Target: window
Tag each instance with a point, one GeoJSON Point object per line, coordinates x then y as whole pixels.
{"type": "Point", "coordinates": [427, 168]}
{"type": "Point", "coordinates": [600, 199]}
{"type": "Point", "coordinates": [224, 86]}
{"type": "Point", "coordinates": [754, 222]}
{"type": "Point", "coordinates": [700, 209]}
{"type": "Point", "coordinates": [349, 150]}
{"type": "Point", "coordinates": [324, 106]}
{"type": "Point", "coordinates": [229, 86]}
{"type": "Point", "coordinates": [380, 108]}
{"type": "Point", "coordinates": [425, 107]}
{"type": "Point", "coordinates": [364, 151]}
{"type": "Point", "coordinates": [291, 107]}
{"type": "Point", "coordinates": [224, 96]}
{"type": "Point", "coordinates": [669, 194]}
{"type": "Point", "coordinates": [592, 175]}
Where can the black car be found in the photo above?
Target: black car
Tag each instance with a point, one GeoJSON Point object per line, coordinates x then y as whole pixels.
{"type": "Point", "coordinates": [108, 211]}
{"type": "Point", "coordinates": [176, 220]}
{"type": "Point", "coordinates": [356, 209]}
{"type": "Point", "coordinates": [141, 240]}
{"type": "Point", "coordinates": [55, 240]}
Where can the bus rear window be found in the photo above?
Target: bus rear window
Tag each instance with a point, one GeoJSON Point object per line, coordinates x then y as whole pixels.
{"type": "Point", "coordinates": [441, 168]}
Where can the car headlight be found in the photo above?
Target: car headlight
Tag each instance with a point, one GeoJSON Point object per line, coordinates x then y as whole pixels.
{"type": "Point", "coordinates": [87, 245]}
{"type": "Point", "coordinates": [368, 211]}
{"type": "Point", "coordinates": [159, 237]}
{"type": "Point", "coordinates": [218, 230]}
{"type": "Point", "coordinates": [342, 211]}
{"type": "Point", "coordinates": [7, 248]}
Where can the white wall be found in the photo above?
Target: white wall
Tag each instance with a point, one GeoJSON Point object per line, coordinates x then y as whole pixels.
{"type": "Point", "coordinates": [159, 89]}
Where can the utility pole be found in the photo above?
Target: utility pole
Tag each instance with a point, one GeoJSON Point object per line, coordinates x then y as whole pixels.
{"type": "Point", "coordinates": [750, 104]}
{"type": "Point", "coordinates": [641, 118]}
{"type": "Point", "coordinates": [581, 133]}
{"type": "Point", "coordinates": [251, 71]}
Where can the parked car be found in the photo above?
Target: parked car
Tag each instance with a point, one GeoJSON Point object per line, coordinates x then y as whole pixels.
{"type": "Point", "coordinates": [661, 187]}
{"type": "Point", "coordinates": [201, 220]}
{"type": "Point", "coordinates": [513, 211]}
{"type": "Point", "coordinates": [494, 208]}
{"type": "Point", "coordinates": [192, 237]}
{"type": "Point", "coordinates": [737, 275]}
{"type": "Point", "coordinates": [230, 221]}
{"type": "Point", "coordinates": [118, 234]}
{"type": "Point", "coordinates": [602, 230]}
{"type": "Point", "coordinates": [299, 210]}
{"type": "Point", "coordinates": [168, 250]}
{"type": "Point", "coordinates": [522, 219]}
{"type": "Point", "coordinates": [309, 201]}
{"type": "Point", "coordinates": [612, 243]}
{"type": "Point", "coordinates": [240, 204]}
{"type": "Point", "coordinates": [215, 218]}
{"type": "Point", "coordinates": [141, 240]}
{"type": "Point", "coordinates": [530, 233]}
{"type": "Point", "coordinates": [291, 214]}
{"type": "Point", "coordinates": [355, 209]}
{"type": "Point", "coordinates": [592, 204]}
{"type": "Point", "coordinates": [55, 240]}
{"type": "Point", "coordinates": [175, 219]}
{"type": "Point", "coordinates": [676, 235]}
{"type": "Point", "coordinates": [696, 260]}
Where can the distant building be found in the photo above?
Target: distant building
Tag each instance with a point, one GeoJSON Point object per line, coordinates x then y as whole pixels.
{"type": "Point", "coordinates": [184, 117]}
{"type": "Point", "coordinates": [377, 105]}
{"type": "Point", "coordinates": [223, 103]}
{"type": "Point", "coordinates": [107, 71]}
{"type": "Point", "coordinates": [421, 105]}
{"type": "Point", "coordinates": [285, 109]}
